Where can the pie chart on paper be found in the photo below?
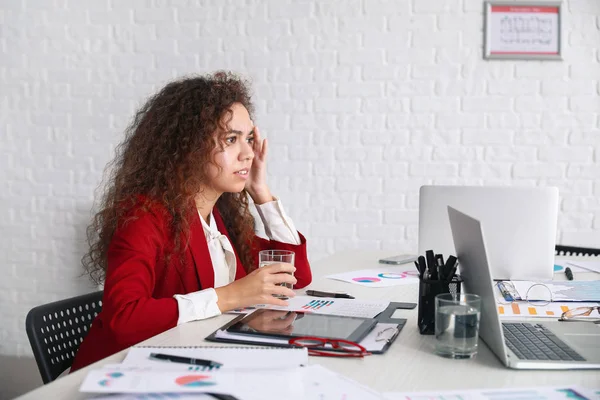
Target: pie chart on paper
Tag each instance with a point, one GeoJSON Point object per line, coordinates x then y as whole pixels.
{"type": "Point", "coordinates": [366, 279]}
{"type": "Point", "coordinates": [194, 380]}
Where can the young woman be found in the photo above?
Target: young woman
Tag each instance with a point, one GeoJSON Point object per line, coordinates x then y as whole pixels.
{"type": "Point", "coordinates": [174, 239]}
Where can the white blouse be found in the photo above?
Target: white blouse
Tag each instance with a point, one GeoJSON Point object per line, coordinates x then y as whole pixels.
{"type": "Point", "coordinates": [203, 304]}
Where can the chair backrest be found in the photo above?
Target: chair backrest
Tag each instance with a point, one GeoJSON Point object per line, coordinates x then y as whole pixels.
{"type": "Point", "coordinates": [56, 330]}
{"type": "Point", "coordinates": [574, 251]}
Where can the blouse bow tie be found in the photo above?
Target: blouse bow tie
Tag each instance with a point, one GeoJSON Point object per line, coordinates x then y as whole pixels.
{"type": "Point", "coordinates": [227, 250]}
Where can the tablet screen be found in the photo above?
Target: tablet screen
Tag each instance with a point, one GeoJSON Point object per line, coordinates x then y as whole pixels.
{"type": "Point", "coordinates": [296, 324]}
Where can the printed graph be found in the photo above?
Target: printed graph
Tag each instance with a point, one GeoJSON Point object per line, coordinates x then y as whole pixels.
{"type": "Point", "coordinates": [111, 377]}
{"type": "Point", "coordinates": [401, 275]}
{"type": "Point", "coordinates": [524, 309]}
{"type": "Point", "coordinates": [317, 304]}
{"type": "Point", "coordinates": [194, 380]}
{"type": "Point", "coordinates": [366, 279]}
{"type": "Point", "coordinates": [530, 310]}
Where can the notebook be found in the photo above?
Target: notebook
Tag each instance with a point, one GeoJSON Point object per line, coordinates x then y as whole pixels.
{"type": "Point", "coordinates": [236, 357]}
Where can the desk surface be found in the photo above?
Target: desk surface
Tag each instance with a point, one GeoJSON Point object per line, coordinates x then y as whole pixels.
{"type": "Point", "coordinates": [409, 364]}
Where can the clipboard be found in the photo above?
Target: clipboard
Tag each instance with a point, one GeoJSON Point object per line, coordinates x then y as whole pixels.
{"type": "Point", "coordinates": [382, 335]}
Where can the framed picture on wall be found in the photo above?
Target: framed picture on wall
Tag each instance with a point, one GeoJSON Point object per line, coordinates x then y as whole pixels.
{"type": "Point", "coordinates": [523, 30]}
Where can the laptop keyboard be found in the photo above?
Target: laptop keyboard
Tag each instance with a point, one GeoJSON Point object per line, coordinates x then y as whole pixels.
{"type": "Point", "coordinates": [534, 342]}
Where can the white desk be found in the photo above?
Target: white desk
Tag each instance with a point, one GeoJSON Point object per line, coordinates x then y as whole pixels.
{"type": "Point", "coordinates": [409, 364]}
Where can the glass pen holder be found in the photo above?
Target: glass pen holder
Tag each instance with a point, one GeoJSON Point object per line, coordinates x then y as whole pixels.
{"type": "Point", "coordinates": [428, 289]}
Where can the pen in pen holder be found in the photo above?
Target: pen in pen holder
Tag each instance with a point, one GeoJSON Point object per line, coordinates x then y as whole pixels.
{"type": "Point", "coordinates": [428, 289]}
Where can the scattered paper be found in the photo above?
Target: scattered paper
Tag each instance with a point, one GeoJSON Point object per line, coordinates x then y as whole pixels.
{"type": "Point", "coordinates": [258, 384]}
{"type": "Point", "coordinates": [539, 393]}
{"type": "Point", "coordinates": [380, 277]}
{"type": "Point", "coordinates": [559, 267]}
{"type": "Point", "coordinates": [560, 290]}
{"type": "Point", "coordinates": [321, 383]}
{"type": "Point", "coordinates": [155, 396]}
{"type": "Point", "coordinates": [550, 310]}
{"type": "Point", "coordinates": [229, 357]}
{"type": "Point", "coordinates": [334, 306]}
{"type": "Point", "coordinates": [588, 266]}
{"type": "Point", "coordinates": [314, 382]}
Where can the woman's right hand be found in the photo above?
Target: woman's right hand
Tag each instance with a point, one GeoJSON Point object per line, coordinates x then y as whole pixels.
{"type": "Point", "coordinates": [258, 287]}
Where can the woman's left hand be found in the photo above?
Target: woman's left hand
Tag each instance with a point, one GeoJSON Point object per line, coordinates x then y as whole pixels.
{"type": "Point", "coordinates": [256, 185]}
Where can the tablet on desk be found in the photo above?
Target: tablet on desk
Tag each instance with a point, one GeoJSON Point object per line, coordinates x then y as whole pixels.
{"type": "Point", "coordinates": [288, 324]}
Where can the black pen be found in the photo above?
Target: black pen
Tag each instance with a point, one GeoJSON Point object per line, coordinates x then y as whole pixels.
{"type": "Point", "coordinates": [185, 360]}
{"type": "Point", "coordinates": [320, 293]}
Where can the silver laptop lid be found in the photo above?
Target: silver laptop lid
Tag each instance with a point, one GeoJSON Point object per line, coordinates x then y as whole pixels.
{"type": "Point", "coordinates": [475, 272]}
{"type": "Point", "coordinates": [520, 225]}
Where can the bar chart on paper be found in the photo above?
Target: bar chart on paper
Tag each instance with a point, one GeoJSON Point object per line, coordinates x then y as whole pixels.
{"type": "Point", "coordinates": [334, 306]}
{"type": "Point", "coordinates": [316, 304]}
{"type": "Point", "coordinates": [551, 310]}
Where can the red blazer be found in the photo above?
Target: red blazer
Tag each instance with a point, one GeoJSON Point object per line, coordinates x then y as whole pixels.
{"type": "Point", "coordinates": [138, 298]}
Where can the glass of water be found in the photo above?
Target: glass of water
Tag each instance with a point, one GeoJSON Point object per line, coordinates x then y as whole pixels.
{"type": "Point", "coordinates": [457, 324]}
{"type": "Point", "coordinates": [267, 257]}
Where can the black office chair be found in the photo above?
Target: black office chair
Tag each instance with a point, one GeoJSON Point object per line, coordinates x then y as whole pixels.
{"type": "Point", "coordinates": [576, 251]}
{"type": "Point", "coordinates": [56, 330]}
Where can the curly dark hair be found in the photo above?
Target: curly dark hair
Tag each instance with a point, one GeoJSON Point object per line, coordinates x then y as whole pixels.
{"type": "Point", "coordinates": [163, 159]}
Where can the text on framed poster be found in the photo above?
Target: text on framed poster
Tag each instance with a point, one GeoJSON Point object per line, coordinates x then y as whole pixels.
{"type": "Point", "coordinates": [523, 30]}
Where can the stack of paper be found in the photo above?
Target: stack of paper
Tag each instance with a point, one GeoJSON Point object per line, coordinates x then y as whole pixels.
{"type": "Point", "coordinates": [247, 374]}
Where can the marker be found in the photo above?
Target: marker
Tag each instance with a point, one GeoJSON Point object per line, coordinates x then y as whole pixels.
{"type": "Point", "coordinates": [431, 265]}
{"type": "Point", "coordinates": [569, 273]}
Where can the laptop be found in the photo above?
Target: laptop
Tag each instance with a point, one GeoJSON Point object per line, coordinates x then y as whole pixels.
{"type": "Point", "coordinates": [520, 223]}
{"type": "Point", "coordinates": [519, 343]}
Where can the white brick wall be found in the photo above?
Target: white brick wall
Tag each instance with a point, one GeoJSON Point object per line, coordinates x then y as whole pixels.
{"type": "Point", "coordinates": [363, 101]}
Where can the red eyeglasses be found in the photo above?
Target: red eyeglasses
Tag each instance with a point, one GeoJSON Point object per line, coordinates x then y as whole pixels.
{"type": "Point", "coordinates": [329, 347]}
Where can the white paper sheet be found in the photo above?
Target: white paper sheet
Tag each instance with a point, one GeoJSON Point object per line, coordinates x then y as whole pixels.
{"type": "Point", "coordinates": [380, 277]}
{"type": "Point", "coordinates": [314, 382]}
{"type": "Point", "coordinates": [561, 290]}
{"type": "Point", "coordinates": [321, 383]}
{"type": "Point", "coordinates": [560, 265]}
{"type": "Point", "coordinates": [550, 310]}
{"type": "Point", "coordinates": [334, 306]}
{"type": "Point", "coordinates": [588, 266]}
{"type": "Point", "coordinates": [230, 357]}
{"type": "Point", "coordinates": [537, 393]}
{"type": "Point", "coordinates": [154, 396]}
{"type": "Point", "coordinates": [245, 384]}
